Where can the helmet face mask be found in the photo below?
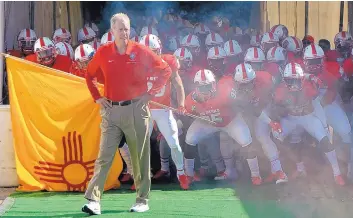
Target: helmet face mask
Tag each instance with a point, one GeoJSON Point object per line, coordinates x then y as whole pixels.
{"type": "Point", "coordinates": [46, 56]}
{"type": "Point", "coordinates": [185, 64]}
{"type": "Point", "coordinates": [83, 63]}
{"type": "Point", "coordinates": [195, 51]}
{"type": "Point", "coordinates": [293, 84]}
{"type": "Point", "coordinates": [205, 92]}
{"type": "Point", "coordinates": [256, 66]}
{"type": "Point", "coordinates": [314, 66]}
{"type": "Point", "coordinates": [245, 89]}
{"type": "Point", "coordinates": [27, 46]}
{"type": "Point", "coordinates": [88, 41]}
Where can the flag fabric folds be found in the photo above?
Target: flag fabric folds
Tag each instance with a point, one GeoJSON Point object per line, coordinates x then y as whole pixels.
{"type": "Point", "coordinates": [55, 128]}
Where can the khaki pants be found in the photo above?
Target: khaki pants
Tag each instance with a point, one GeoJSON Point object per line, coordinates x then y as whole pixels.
{"type": "Point", "coordinates": [134, 121]}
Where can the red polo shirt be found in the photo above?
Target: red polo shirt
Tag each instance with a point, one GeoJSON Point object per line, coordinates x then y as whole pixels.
{"type": "Point", "coordinates": [125, 75]}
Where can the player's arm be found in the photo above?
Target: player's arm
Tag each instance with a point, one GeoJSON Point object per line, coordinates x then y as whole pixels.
{"type": "Point", "coordinates": [178, 84]}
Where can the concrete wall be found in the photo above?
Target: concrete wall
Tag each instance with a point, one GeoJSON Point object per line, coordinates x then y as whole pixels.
{"type": "Point", "coordinates": [8, 175]}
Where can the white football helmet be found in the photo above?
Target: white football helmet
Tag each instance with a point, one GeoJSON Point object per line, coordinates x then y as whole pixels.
{"type": "Point", "coordinates": [269, 40]}
{"type": "Point", "coordinates": [83, 54]}
{"type": "Point", "coordinates": [213, 39]}
{"type": "Point", "coordinates": [185, 58]}
{"type": "Point", "coordinates": [293, 76]}
{"type": "Point", "coordinates": [148, 30]}
{"type": "Point", "coordinates": [215, 57]}
{"type": "Point", "coordinates": [255, 57]}
{"type": "Point", "coordinates": [232, 48]}
{"type": "Point", "coordinates": [341, 37]}
{"type": "Point", "coordinates": [107, 37]}
{"type": "Point", "coordinates": [173, 43]}
{"type": "Point", "coordinates": [277, 54]}
{"type": "Point", "coordinates": [95, 44]}
{"type": "Point", "coordinates": [202, 29]}
{"type": "Point", "coordinates": [313, 58]}
{"type": "Point", "coordinates": [94, 27]}
{"type": "Point", "coordinates": [45, 51]}
{"type": "Point", "coordinates": [152, 42]}
{"type": "Point", "coordinates": [292, 44]}
{"type": "Point", "coordinates": [280, 30]}
{"type": "Point", "coordinates": [86, 35]}
{"type": "Point", "coordinates": [62, 35]}
{"type": "Point", "coordinates": [65, 49]}
{"type": "Point", "coordinates": [244, 73]}
{"type": "Point", "coordinates": [204, 77]}
{"type": "Point", "coordinates": [26, 39]}
{"type": "Point", "coordinates": [192, 43]}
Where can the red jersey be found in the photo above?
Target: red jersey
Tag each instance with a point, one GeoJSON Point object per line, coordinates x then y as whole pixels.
{"type": "Point", "coordinates": [164, 95]}
{"type": "Point", "coordinates": [62, 63]}
{"type": "Point", "coordinates": [296, 103]}
{"type": "Point", "coordinates": [82, 73]}
{"type": "Point", "coordinates": [217, 109]}
{"type": "Point", "coordinates": [348, 67]}
{"type": "Point", "coordinates": [15, 53]}
{"type": "Point", "coordinates": [272, 68]}
{"type": "Point", "coordinates": [330, 77]}
{"type": "Point", "coordinates": [335, 56]}
{"type": "Point", "coordinates": [32, 58]}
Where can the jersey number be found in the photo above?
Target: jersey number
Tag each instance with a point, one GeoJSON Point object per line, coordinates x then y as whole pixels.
{"type": "Point", "coordinates": [160, 93]}
{"type": "Point", "coordinates": [216, 117]}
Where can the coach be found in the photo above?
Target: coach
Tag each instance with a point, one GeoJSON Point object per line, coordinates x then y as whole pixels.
{"type": "Point", "coordinates": [124, 109]}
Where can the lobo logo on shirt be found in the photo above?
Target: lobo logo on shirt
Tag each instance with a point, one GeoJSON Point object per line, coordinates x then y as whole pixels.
{"type": "Point", "coordinates": [132, 56]}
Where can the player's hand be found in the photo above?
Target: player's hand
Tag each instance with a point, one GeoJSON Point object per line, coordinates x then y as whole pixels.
{"type": "Point", "coordinates": [276, 126]}
{"type": "Point", "coordinates": [316, 80]}
{"type": "Point", "coordinates": [104, 102]}
{"type": "Point", "coordinates": [159, 137]}
{"type": "Point", "coordinates": [181, 110]}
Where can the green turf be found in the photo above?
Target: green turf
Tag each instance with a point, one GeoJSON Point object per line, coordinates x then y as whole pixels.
{"type": "Point", "coordinates": [204, 200]}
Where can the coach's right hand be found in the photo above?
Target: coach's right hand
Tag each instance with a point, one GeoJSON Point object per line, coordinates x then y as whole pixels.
{"type": "Point", "coordinates": [104, 102]}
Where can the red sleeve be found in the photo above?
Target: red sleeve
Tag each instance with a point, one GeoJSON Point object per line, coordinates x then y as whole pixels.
{"type": "Point", "coordinates": [225, 87]}
{"type": "Point", "coordinates": [348, 67]}
{"type": "Point", "coordinates": [333, 68]}
{"type": "Point", "coordinates": [156, 64]}
{"type": "Point", "coordinates": [171, 61]}
{"type": "Point", "coordinates": [331, 55]}
{"type": "Point", "coordinates": [92, 72]}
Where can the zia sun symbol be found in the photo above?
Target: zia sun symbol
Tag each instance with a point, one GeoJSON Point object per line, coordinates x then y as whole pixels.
{"type": "Point", "coordinates": [75, 173]}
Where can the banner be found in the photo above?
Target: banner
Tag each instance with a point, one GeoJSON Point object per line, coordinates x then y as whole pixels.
{"type": "Point", "coordinates": [55, 128]}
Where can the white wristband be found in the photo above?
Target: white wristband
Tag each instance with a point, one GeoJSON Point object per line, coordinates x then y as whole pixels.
{"type": "Point", "coordinates": [264, 117]}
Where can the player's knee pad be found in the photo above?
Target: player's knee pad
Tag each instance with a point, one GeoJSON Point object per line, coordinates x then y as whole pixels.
{"type": "Point", "coordinates": [326, 145]}
{"type": "Point", "coordinates": [248, 152]}
{"type": "Point", "coordinates": [190, 151]}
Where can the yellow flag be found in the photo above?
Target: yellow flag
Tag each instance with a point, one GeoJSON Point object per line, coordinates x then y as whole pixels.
{"type": "Point", "coordinates": [55, 128]}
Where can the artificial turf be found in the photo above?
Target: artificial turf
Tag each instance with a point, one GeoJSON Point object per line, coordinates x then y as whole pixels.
{"type": "Point", "coordinates": [203, 200]}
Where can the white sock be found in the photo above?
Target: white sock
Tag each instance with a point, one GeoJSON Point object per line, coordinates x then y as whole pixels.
{"type": "Point", "coordinates": [254, 167]}
{"type": "Point", "coordinates": [180, 172]}
{"type": "Point", "coordinates": [332, 158]}
{"type": "Point", "coordinates": [125, 154]}
{"type": "Point", "coordinates": [178, 158]}
{"type": "Point", "coordinates": [276, 165]}
{"type": "Point", "coordinates": [165, 164]}
{"type": "Point", "coordinates": [300, 167]}
{"type": "Point", "coordinates": [189, 166]}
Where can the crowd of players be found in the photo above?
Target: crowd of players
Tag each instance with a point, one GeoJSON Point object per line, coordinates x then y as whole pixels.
{"type": "Point", "coordinates": [269, 87]}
